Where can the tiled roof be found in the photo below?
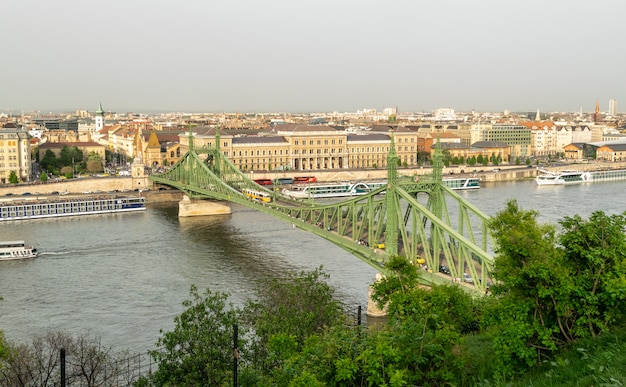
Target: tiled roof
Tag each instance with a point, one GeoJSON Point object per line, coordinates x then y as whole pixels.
{"type": "Point", "coordinates": [303, 128]}
{"type": "Point", "coordinates": [489, 144]}
{"type": "Point", "coordinates": [367, 137]}
{"type": "Point", "coordinates": [259, 140]}
{"type": "Point", "coordinates": [616, 147]}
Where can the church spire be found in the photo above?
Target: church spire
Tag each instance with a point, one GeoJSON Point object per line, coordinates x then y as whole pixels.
{"type": "Point", "coordinates": [596, 114]}
{"type": "Point", "coordinates": [99, 118]}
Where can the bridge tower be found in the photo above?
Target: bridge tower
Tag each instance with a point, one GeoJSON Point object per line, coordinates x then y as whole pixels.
{"type": "Point", "coordinates": [392, 203]}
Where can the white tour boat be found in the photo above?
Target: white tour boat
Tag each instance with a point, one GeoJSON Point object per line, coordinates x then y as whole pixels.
{"type": "Point", "coordinates": [332, 190]}
{"type": "Point", "coordinates": [10, 250]}
{"type": "Point", "coordinates": [563, 177]}
{"type": "Point", "coordinates": [462, 183]}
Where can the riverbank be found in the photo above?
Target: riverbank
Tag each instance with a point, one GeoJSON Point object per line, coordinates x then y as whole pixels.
{"type": "Point", "coordinates": [114, 185]}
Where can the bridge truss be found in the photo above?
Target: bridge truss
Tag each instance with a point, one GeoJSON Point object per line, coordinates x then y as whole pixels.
{"type": "Point", "coordinates": [425, 221]}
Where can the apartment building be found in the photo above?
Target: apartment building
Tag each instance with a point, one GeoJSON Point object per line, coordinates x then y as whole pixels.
{"type": "Point", "coordinates": [516, 136]}
{"type": "Point", "coordinates": [14, 153]}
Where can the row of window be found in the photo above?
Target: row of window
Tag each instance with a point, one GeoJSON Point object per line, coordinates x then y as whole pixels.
{"type": "Point", "coordinates": [319, 142]}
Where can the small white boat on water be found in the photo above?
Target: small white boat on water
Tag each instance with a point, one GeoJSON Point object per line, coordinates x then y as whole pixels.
{"type": "Point", "coordinates": [11, 250]}
{"type": "Point", "coordinates": [563, 177]}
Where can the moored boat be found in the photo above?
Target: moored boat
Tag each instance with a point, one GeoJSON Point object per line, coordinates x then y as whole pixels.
{"type": "Point", "coordinates": [462, 183]}
{"type": "Point", "coordinates": [11, 250]}
{"type": "Point", "coordinates": [332, 190]}
{"type": "Point", "coordinates": [26, 210]}
{"type": "Point", "coordinates": [563, 177]}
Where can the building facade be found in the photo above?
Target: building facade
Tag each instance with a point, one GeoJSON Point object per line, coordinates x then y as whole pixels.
{"type": "Point", "coordinates": [14, 153]}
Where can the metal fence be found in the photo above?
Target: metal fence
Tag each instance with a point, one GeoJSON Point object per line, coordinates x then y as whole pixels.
{"type": "Point", "coordinates": [74, 371]}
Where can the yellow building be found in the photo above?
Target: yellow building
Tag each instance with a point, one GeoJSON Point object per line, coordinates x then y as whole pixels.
{"type": "Point", "coordinates": [14, 153]}
{"type": "Point", "coordinates": [611, 152]}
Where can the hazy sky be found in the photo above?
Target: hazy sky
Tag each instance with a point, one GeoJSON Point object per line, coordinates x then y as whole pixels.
{"type": "Point", "coordinates": [312, 55]}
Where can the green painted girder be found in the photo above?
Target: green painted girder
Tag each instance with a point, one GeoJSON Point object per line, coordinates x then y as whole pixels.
{"type": "Point", "coordinates": [407, 225]}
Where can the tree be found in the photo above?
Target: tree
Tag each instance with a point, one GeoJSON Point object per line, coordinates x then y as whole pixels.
{"type": "Point", "coordinates": [199, 350]}
{"type": "Point", "coordinates": [43, 177]}
{"type": "Point", "coordinates": [298, 304]}
{"type": "Point", "coordinates": [551, 291]}
{"type": "Point", "coordinates": [424, 327]}
{"type": "Point", "coordinates": [527, 278]}
{"type": "Point", "coordinates": [38, 363]}
{"type": "Point", "coordinates": [423, 157]}
{"type": "Point", "coordinates": [49, 161]}
{"type": "Point", "coordinates": [13, 179]}
{"type": "Point", "coordinates": [70, 155]}
{"type": "Point", "coordinates": [594, 253]}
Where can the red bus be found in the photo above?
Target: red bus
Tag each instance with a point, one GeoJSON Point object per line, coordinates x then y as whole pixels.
{"type": "Point", "coordinates": [263, 181]}
{"type": "Point", "coordinates": [304, 179]}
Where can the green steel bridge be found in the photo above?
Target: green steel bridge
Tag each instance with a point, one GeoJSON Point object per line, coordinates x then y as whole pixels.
{"type": "Point", "coordinates": [423, 220]}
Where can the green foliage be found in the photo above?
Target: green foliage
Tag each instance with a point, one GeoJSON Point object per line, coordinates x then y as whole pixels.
{"type": "Point", "coordinates": [94, 156]}
{"type": "Point", "coordinates": [43, 177]}
{"type": "Point", "coordinates": [289, 310]}
{"type": "Point", "coordinates": [2, 339]}
{"type": "Point", "coordinates": [527, 161]}
{"type": "Point", "coordinates": [13, 179]}
{"type": "Point", "coordinates": [70, 155]}
{"type": "Point", "coordinates": [199, 350]}
{"type": "Point", "coordinates": [553, 291]}
{"type": "Point", "coordinates": [599, 361]}
{"type": "Point", "coordinates": [527, 281]}
{"type": "Point", "coordinates": [595, 254]}
{"type": "Point", "coordinates": [423, 157]}
{"type": "Point", "coordinates": [49, 161]}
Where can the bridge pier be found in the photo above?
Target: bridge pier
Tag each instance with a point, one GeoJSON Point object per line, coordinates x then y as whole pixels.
{"type": "Point", "coordinates": [198, 207]}
{"type": "Point", "coordinates": [372, 309]}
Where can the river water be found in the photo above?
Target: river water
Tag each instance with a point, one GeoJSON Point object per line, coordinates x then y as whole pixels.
{"type": "Point", "coordinates": [123, 277]}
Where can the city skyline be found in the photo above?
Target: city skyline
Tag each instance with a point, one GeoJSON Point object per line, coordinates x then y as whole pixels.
{"type": "Point", "coordinates": [323, 56]}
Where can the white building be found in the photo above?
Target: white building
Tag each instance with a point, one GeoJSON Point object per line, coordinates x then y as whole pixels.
{"type": "Point", "coordinates": [612, 107]}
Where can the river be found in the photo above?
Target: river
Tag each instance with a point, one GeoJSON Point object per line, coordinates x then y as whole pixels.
{"type": "Point", "coordinates": [123, 277]}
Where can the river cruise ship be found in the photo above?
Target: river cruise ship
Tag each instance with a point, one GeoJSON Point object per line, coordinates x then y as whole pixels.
{"type": "Point", "coordinates": [608, 175]}
{"type": "Point", "coordinates": [462, 183]}
{"type": "Point", "coordinates": [315, 191]}
{"type": "Point", "coordinates": [563, 177]}
{"type": "Point", "coordinates": [11, 250]}
{"type": "Point", "coordinates": [26, 210]}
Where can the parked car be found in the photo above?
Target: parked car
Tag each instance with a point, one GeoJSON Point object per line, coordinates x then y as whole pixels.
{"type": "Point", "coordinates": [444, 269]}
{"type": "Point", "coordinates": [468, 278]}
